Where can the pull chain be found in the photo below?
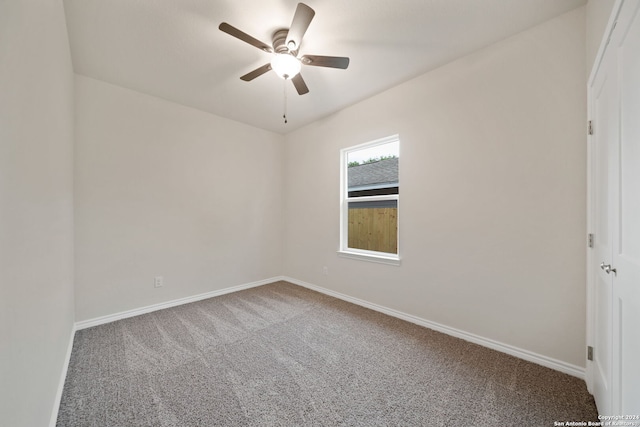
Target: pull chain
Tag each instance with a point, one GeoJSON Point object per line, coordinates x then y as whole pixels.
{"type": "Point", "coordinates": [284, 90]}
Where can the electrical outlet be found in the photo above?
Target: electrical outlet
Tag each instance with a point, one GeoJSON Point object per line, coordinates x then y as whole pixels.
{"type": "Point", "coordinates": [325, 270]}
{"type": "Point", "coordinates": [158, 282]}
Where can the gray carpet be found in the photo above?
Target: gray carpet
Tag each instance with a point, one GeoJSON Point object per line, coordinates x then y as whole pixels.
{"type": "Point", "coordinates": [282, 355]}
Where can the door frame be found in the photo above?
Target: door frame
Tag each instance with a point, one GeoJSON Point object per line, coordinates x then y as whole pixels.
{"type": "Point", "coordinates": [591, 208]}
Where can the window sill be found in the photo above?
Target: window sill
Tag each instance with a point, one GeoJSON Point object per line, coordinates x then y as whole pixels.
{"type": "Point", "coordinates": [380, 259]}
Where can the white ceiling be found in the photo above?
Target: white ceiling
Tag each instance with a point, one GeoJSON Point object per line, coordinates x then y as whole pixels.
{"type": "Point", "coordinates": [173, 49]}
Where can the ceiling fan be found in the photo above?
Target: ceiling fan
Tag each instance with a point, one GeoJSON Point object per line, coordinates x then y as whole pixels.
{"type": "Point", "coordinates": [286, 44]}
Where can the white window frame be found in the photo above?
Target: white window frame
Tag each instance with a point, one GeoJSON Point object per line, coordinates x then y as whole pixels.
{"type": "Point", "coordinates": [345, 250]}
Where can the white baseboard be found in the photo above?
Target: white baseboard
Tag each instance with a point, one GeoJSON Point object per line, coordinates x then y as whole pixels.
{"type": "Point", "coordinates": [63, 377]}
{"type": "Point", "coordinates": [539, 359]}
{"type": "Point", "coordinates": [135, 312]}
{"type": "Point", "coordinates": [155, 307]}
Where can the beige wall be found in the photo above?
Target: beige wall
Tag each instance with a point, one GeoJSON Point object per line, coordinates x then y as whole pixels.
{"type": "Point", "coordinates": [36, 208]}
{"type": "Point", "coordinates": [492, 193]}
{"type": "Point", "coordinates": [166, 190]}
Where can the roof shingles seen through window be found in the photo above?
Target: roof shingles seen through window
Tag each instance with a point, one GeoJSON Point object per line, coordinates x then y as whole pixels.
{"type": "Point", "coordinates": [375, 173]}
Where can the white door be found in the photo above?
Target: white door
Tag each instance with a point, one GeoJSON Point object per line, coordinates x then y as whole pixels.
{"type": "Point", "coordinates": [605, 119]}
{"type": "Point", "coordinates": [626, 221]}
{"type": "Point", "coordinates": [614, 264]}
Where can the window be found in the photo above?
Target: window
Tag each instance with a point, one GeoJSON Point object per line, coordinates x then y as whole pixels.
{"type": "Point", "coordinates": [369, 201]}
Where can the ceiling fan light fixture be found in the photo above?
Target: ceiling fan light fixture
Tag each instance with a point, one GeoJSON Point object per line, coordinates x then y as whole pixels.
{"type": "Point", "coordinates": [285, 65]}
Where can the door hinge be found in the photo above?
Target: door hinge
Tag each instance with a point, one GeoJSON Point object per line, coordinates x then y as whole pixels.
{"type": "Point", "coordinates": [589, 353]}
{"type": "Point", "coordinates": [590, 127]}
{"type": "Point", "coordinates": [590, 240]}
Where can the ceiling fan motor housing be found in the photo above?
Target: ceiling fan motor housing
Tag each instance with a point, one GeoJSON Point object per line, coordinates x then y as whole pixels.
{"type": "Point", "coordinates": [279, 42]}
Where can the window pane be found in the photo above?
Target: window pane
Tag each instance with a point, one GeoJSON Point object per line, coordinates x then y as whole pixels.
{"type": "Point", "coordinates": [370, 190]}
{"type": "Point", "coordinates": [374, 152]}
{"type": "Point", "coordinates": [373, 226]}
{"type": "Point", "coordinates": [373, 171]}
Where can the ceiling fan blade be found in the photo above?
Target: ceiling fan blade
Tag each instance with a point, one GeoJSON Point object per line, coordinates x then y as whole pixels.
{"type": "Point", "coordinates": [301, 20]}
{"type": "Point", "coordinates": [256, 73]}
{"type": "Point", "coordinates": [326, 61]}
{"type": "Point", "coordinates": [233, 31]}
{"type": "Point", "coordinates": [300, 85]}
